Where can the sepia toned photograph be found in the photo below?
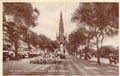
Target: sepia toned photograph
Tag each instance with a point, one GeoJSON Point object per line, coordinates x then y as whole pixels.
{"type": "Point", "coordinates": [60, 38]}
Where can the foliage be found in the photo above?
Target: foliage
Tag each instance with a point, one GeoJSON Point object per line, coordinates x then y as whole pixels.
{"type": "Point", "coordinates": [17, 19]}
{"type": "Point", "coordinates": [21, 12]}
{"type": "Point", "coordinates": [46, 43]}
{"type": "Point", "coordinates": [102, 18]}
{"type": "Point", "coordinates": [76, 38]}
{"type": "Point", "coordinates": [90, 13]}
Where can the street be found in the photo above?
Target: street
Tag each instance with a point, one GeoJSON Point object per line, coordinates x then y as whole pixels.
{"type": "Point", "coordinates": [70, 66]}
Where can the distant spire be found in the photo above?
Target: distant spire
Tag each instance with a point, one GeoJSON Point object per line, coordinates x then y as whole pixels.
{"type": "Point", "coordinates": [61, 25]}
{"type": "Point", "coordinates": [61, 18]}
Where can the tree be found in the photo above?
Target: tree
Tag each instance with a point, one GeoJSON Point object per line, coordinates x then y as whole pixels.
{"type": "Point", "coordinates": [76, 38]}
{"type": "Point", "coordinates": [101, 17]}
{"type": "Point", "coordinates": [46, 43]}
{"type": "Point", "coordinates": [31, 38]}
{"type": "Point", "coordinates": [21, 12]}
{"type": "Point", "coordinates": [14, 34]}
{"type": "Point", "coordinates": [18, 17]}
{"type": "Point", "coordinates": [55, 44]}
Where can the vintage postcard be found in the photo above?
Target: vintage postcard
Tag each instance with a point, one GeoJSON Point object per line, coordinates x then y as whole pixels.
{"type": "Point", "coordinates": [60, 38]}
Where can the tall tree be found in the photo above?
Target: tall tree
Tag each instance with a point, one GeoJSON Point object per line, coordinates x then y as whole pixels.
{"type": "Point", "coordinates": [101, 17]}
{"type": "Point", "coordinates": [13, 35]}
{"type": "Point", "coordinates": [18, 17]}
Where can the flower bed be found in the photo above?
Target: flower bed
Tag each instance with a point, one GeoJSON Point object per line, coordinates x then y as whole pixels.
{"type": "Point", "coordinates": [46, 60]}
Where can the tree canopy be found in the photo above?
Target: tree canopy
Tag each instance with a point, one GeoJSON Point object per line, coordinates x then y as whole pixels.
{"type": "Point", "coordinates": [21, 11]}
{"type": "Point", "coordinates": [17, 19]}
{"type": "Point", "coordinates": [100, 18]}
{"type": "Point", "coordinates": [76, 38]}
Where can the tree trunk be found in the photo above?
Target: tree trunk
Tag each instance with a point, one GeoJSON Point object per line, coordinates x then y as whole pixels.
{"type": "Point", "coordinates": [16, 50]}
{"type": "Point", "coordinates": [29, 47]}
{"type": "Point", "coordinates": [98, 54]}
{"type": "Point", "coordinates": [87, 49]}
{"type": "Point", "coordinates": [80, 54]}
{"type": "Point", "coordinates": [85, 55]}
{"type": "Point", "coordinates": [102, 38]}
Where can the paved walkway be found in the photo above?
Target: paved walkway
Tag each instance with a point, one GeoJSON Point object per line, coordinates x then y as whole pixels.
{"type": "Point", "coordinates": [70, 66]}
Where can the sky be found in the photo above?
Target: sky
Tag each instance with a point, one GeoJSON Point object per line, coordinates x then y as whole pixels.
{"type": "Point", "coordinates": [50, 16]}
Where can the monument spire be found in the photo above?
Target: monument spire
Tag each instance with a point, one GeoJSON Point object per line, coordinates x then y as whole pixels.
{"type": "Point", "coordinates": [61, 39]}
{"type": "Point", "coordinates": [61, 25]}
